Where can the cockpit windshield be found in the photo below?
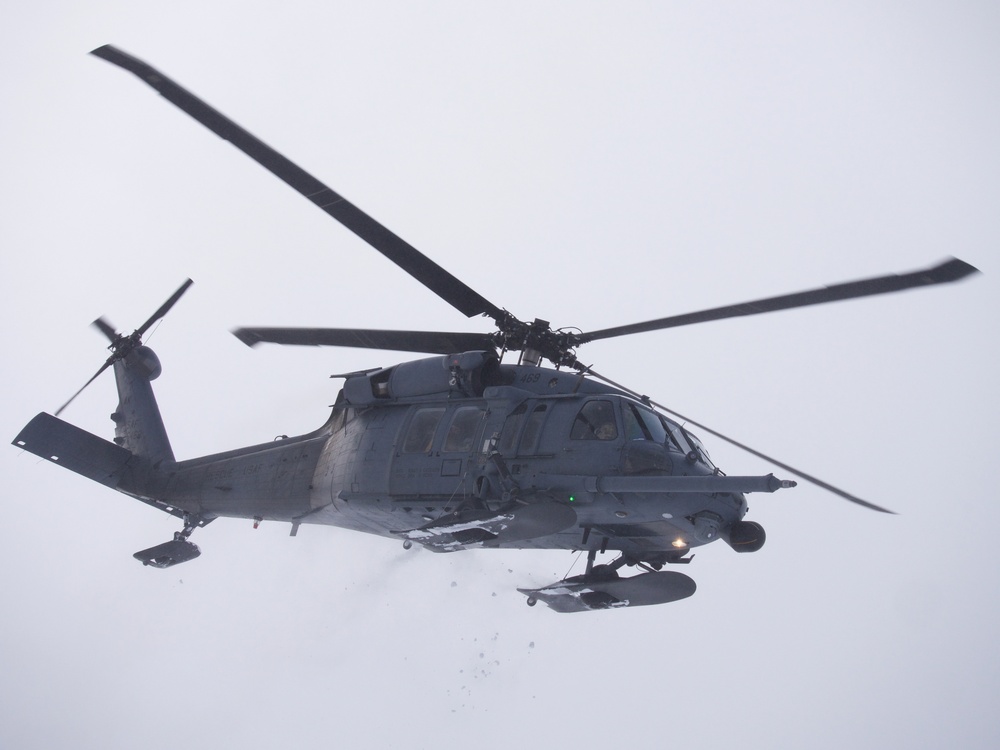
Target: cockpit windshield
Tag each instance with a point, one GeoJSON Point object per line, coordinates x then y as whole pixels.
{"type": "Point", "coordinates": [679, 439]}
{"type": "Point", "coordinates": [596, 421]}
{"type": "Point", "coordinates": [643, 424]}
{"type": "Point", "coordinates": [700, 447]}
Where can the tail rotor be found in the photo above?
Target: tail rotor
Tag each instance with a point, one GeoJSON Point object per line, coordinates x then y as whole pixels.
{"type": "Point", "coordinates": [121, 345]}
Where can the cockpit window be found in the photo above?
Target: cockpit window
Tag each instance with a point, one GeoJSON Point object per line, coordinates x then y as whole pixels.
{"type": "Point", "coordinates": [420, 435]}
{"type": "Point", "coordinates": [596, 421]}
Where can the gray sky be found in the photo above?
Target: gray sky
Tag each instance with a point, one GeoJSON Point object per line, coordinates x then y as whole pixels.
{"type": "Point", "coordinates": [591, 164]}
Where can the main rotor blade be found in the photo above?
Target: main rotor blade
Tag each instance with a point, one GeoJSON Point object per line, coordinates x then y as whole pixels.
{"type": "Point", "coordinates": [411, 260]}
{"type": "Point", "coordinates": [163, 309]}
{"type": "Point", "coordinates": [429, 342]}
{"type": "Point", "coordinates": [801, 474]}
{"type": "Point", "coordinates": [950, 270]}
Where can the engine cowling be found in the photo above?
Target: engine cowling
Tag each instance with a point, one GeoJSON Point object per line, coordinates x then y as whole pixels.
{"type": "Point", "coordinates": [465, 374]}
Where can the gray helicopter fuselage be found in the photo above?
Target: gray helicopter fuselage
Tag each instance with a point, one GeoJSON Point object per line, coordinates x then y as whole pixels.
{"type": "Point", "coordinates": [413, 443]}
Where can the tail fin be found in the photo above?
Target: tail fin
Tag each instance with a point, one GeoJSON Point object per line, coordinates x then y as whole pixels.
{"type": "Point", "coordinates": [138, 424]}
{"type": "Point", "coordinates": [139, 429]}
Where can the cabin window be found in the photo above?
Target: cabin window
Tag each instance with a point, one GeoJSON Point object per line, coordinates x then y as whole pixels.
{"type": "Point", "coordinates": [596, 421]}
{"type": "Point", "coordinates": [533, 429]}
{"type": "Point", "coordinates": [511, 428]}
{"type": "Point", "coordinates": [462, 431]}
{"type": "Point", "coordinates": [420, 435]}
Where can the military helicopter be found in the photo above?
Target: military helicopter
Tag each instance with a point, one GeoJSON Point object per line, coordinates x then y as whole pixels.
{"type": "Point", "coordinates": [455, 451]}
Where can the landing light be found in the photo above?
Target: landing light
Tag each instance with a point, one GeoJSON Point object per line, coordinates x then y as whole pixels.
{"type": "Point", "coordinates": [678, 543]}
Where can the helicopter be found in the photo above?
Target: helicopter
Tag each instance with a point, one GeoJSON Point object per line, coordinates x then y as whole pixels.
{"type": "Point", "coordinates": [458, 450]}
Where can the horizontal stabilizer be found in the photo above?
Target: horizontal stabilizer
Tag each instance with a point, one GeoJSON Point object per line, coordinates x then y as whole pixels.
{"type": "Point", "coordinates": [74, 449]}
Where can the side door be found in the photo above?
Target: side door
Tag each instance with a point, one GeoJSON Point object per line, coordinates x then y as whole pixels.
{"type": "Point", "coordinates": [435, 450]}
{"type": "Point", "coordinates": [593, 445]}
{"type": "Point", "coordinates": [521, 437]}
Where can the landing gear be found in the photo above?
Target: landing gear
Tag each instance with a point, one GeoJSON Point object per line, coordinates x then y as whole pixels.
{"type": "Point", "coordinates": [177, 550]}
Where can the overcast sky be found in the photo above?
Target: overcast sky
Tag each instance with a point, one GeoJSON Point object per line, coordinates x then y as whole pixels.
{"type": "Point", "coordinates": [592, 164]}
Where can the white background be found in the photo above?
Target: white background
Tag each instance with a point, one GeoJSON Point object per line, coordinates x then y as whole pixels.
{"type": "Point", "coordinates": [593, 164]}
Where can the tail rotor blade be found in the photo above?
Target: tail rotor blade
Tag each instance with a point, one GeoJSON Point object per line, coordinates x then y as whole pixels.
{"type": "Point", "coordinates": [121, 345]}
{"type": "Point", "coordinates": [102, 325]}
{"type": "Point", "coordinates": [164, 308]}
{"type": "Point", "coordinates": [104, 367]}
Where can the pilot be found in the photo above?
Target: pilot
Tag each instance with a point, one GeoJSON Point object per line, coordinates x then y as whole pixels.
{"type": "Point", "coordinates": [596, 420]}
{"type": "Point", "coordinates": [606, 431]}
{"type": "Point", "coordinates": [602, 415]}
